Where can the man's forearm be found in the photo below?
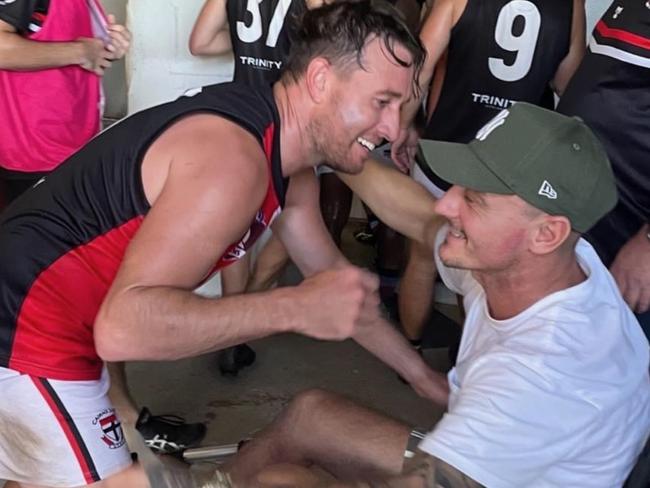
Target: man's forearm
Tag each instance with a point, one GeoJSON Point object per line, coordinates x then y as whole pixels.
{"type": "Point", "coordinates": [19, 54]}
{"type": "Point", "coordinates": [382, 340]}
{"type": "Point", "coordinates": [397, 200]}
{"type": "Point", "coordinates": [164, 323]}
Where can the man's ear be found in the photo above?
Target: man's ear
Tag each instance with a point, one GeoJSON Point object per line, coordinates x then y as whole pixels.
{"type": "Point", "coordinates": [317, 77]}
{"type": "Point", "coordinates": [549, 232]}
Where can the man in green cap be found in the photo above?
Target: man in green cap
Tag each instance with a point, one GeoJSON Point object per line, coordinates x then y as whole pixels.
{"type": "Point", "coordinates": [552, 366]}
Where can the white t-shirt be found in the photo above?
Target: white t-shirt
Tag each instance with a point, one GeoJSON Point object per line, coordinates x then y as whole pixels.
{"type": "Point", "coordinates": [558, 396]}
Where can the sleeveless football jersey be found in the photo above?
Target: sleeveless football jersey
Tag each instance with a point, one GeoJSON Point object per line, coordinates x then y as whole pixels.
{"type": "Point", "coordinates": [610, 91]}
{"type": "Point", "coordinates": [500, 51]}
{"type": "Point", "coordinates": [260, 32]}
{"type": "Point", "coordinates": [61, 242]}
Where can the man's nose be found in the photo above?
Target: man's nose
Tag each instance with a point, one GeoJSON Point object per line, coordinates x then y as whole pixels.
{"type": "Point", "coordinates": [449, 204]}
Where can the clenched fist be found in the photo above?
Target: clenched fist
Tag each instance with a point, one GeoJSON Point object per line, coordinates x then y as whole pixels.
{"type": "Point", "coordinates": [335, 303]}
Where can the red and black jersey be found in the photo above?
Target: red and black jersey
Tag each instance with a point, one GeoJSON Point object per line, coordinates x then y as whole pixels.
{"type": "Point", "coordinates": [610, 91]}
{"type": "Point", "coordinates": [260, 33]}
{"type": "Point", "coordinates": [27, 16]}
{"type": "Point", "coordinates": [62, 242]}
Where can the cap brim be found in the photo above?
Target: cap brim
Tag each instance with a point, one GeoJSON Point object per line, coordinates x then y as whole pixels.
{"type": "Point", "coordinates": [459, 165]}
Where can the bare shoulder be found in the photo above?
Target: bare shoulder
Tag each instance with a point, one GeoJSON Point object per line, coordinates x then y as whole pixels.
{"type": "Point", "coordinates": [205, 178]}
{"type": "Point", "coordinates": [203, 148]}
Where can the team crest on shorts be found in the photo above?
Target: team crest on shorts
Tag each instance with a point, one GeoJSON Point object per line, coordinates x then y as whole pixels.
{"type": "Point", "coordinates": [112, 433]}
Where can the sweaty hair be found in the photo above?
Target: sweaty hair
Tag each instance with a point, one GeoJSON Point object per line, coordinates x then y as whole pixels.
{"type": "Point", "coordinates": [339, 31]}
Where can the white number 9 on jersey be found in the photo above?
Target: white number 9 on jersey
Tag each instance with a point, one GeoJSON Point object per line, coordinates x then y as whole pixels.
{"type": "Point", "coordinates": [523, 44]}
{"type": "Point", "coordinates": [251, 33]}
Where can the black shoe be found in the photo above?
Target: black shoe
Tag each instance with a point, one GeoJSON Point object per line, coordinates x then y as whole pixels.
{"type": "Point", "coordinates": [233, 359]}
{"type": "Point", "coordinates": [168, 434]}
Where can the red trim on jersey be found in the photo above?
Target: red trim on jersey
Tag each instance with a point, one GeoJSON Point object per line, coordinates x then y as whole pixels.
{"type": "Point", "coordinates": [622, 35]}
{"type": "Point", "coordinates": [68, 427]}
{"type": "Point", "coordinates": [266, 214]}
{"type": "Point", "coordinates": [272, 194]}
{"type": "Point", "coordinates": [54, 328]}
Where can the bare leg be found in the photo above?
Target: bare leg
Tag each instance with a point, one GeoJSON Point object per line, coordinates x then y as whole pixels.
{"type": "Point", "coordinates": [416, 290]}
{"type": "Point", "coordinates": [236, 279]}
{"type": "Point", "coordinates": [335, 204]}
{"type": "Point", "coordinates": [268, 265]}
{"type": "Point", "coordinates": [390, 249]}
{"type": "Point", "coordinates": [233, 282]}
{"type": "Point", "coordinates": [285, 475]}
{"type": "Point", "coordinates": [133, 477]}
{"type": "Point", "coordinates": [119, 394]}
{"type": "Point", "coordinates": [330, 431]}
{"type": "Point", "coordinates": [235, 276]}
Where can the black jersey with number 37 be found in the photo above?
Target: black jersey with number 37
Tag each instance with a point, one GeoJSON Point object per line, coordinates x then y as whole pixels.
{"type": "Point", "coordinates": [260, 35]}
{"type": "Point", "coordinates": [500, 51]}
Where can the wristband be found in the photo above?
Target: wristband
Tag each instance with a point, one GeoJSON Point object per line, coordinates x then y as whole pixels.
{"type": "Point", "coordinates": [415, 437]}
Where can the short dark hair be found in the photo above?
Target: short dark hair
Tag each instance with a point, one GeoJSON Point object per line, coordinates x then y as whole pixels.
{"type": "Point", "coordinates": [339, 31]}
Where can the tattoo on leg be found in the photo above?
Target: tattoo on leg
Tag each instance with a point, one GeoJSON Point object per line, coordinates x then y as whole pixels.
{"type": "Point", "coordinates": [424, 471]}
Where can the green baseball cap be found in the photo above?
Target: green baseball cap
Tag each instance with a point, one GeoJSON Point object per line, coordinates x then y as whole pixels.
{"type": "Point", "coordinates": [553, 162]}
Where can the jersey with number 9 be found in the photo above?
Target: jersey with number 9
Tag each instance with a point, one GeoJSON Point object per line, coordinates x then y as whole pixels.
{"type": "Point", "coordinates": [500, 52]}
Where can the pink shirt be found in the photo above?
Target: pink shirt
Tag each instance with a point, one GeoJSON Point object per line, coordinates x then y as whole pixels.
{"type": "Point", "coordinates": [46, 115]}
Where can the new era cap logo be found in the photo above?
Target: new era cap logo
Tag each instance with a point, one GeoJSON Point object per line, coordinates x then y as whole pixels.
{"type": "Point", "coordinates": [497, 121]}
{"type": "Point", "coordinates": [546, 190]}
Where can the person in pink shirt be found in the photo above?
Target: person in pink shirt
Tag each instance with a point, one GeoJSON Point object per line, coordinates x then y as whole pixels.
{"type": "Point", "coordinates": [52, 57]}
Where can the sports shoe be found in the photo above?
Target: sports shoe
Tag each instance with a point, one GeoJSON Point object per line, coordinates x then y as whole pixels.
{"type": "Point", "coordinates": [234, 359]}
{"type": "Point", "coordinates": [168, 434]}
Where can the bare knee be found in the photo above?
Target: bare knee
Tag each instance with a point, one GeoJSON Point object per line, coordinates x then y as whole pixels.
{"type": "Point", "coordinates": [133, 477]}
{"type": "Point", "coordinates": [303, 414]}
{"type": "Point", "coordinates": [310, 404]}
